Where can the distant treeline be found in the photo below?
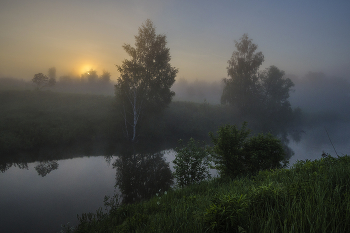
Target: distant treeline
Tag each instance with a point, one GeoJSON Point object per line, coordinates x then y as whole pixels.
{"type": "Point", "coordinates": [196, 91]}
{"type": "Point", "coordinates": [70, 84]}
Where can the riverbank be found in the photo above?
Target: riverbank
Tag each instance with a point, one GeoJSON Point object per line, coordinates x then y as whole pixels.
{"type": "Point", "coordinates": [31, 120]}
{"type": "Point", "coordinates": [311, 196]}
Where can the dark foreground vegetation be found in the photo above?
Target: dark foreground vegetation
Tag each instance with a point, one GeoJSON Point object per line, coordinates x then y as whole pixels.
{"type": "Point", "coordinates": [311, 196]}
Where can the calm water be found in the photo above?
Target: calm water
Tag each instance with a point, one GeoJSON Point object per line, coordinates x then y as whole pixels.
{"type": "Point", "coordinates": [32, 203]}
{"type": "Point", "coordinates": [40, 196]}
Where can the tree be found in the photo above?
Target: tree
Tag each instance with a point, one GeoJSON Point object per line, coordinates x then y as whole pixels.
{"type": "Point", "coordinates": [145, 80]}
{"type": "Point", "coordinates": [242, 87]}
{"type": "Point", "coordinates": [275, 88]}
{"type": "Point", "coordinates": [227, 152]}
{"type": "Point", "coordinates": [42, 80]}
{"type": "Point", "coordinates": [52, 73]}
{"type": "Point", "coordinates": [52, 77]}
{"type": "Point", "coordinates": [191, 163]}
{"type": "Point", "coordinates": [105, 77]}
{"type": "Point", "coordinates": [91, 76]}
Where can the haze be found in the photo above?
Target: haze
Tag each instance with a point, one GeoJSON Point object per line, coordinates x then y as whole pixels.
{"type": "Point", "coordinates": [75, 36]}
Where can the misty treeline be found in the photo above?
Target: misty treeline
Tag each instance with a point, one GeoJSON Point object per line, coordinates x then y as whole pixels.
{"type": "Point", "coordinates": [144, 107]}
{"type": "Point", "coordinates": [143, 88]}
{"type": "Point", "coordinates": [89, 82]}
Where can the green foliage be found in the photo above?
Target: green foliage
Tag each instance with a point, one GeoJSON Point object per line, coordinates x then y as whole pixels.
{"type": "Point", "coordinates": [262, 97]}
{"type": "Point", "coordinates": [263, 152]}
{"type": "Point", "coordinates": [311, 196]}
{"type": "Point", "coordinates": [32, 120]}
{"type": "Point", "coordinates": [227, 213]}
{"type": "Point", "coordinates": [145, 80]}
{"type": "Point", "coordinates": [242, 88]}
{"type": "Point", "coordinates": [234, 154]}
{"type": "Point", "coordinates": [191, 163]}
{"type": "Point", "coordinates": [227, 151]}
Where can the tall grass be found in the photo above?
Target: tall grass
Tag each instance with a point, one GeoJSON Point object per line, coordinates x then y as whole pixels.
{"type": "Point", "coordinates": [312, 196]}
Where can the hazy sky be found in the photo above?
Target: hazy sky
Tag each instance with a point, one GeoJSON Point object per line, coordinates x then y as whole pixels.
{"type": "Point", "coordinates": [76, 35]}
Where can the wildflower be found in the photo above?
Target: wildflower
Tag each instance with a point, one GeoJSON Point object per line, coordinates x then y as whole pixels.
{"type": "Point", "coordinates": [158, 202]}
{"type": "Point", "coordinates": [165, 192]}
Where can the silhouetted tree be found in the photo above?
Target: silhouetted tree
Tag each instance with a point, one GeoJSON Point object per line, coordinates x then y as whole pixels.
{"type": "Point", "coordinates": [105, 77]}
{"type": "Point", "coordinates": [90, 76]}
{"type": "Point", "coordinates": [42, 80]}
{"type": "Point", "coordinates": [275, 88]}
{"type": "Point", "coordinates": [52, 76]}
{"type": "Point", "coordinates": [145, 80]}
{"type": "Point", "coordinates": [242, 87]}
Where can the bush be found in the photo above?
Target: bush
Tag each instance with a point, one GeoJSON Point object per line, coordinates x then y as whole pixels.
{"type": "Point", "coordinates": [191, 163]}
{"type": "Point", "coordinates": [263, 152]}
{"type": "Point", "coordinates": [235, 154]}
{"type": "Point", "coordinates": [227, 152]}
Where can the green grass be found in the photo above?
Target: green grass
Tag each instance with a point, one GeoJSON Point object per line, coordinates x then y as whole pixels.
{"type": "Point", "coordinates": [312, 196]}
{"type": "Point", "coordinates": [34, 119]}
{"type": "Point", "coordinates": [31, 120]}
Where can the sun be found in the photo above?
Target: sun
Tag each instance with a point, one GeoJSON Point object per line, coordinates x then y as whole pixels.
{"type": "Point", "coordinates": [86, 68]}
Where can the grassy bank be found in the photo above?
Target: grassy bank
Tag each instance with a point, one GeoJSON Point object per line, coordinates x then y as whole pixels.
{"type": "Point", "coordinates": [30, 120]}
{"type": "Point", "coordinates": [35, 119]}
{"type": "Point", "coordinates": [312, 196]}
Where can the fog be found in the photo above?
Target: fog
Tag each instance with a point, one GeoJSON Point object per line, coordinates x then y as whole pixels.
{"type": "Point", "coordinates": [92, 83]}
{"type": "Point", "coordinates": [323, 99]}
{"type": "Point", "coordinates": [198, 91]}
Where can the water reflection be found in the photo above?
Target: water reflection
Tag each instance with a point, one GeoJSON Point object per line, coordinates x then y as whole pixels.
{"type": "Point", "coordinates": [45, 167]}
{"type": "Point", "coordinates": [140, 176]}
{"type": "Point", "coordinates": [5, 166]}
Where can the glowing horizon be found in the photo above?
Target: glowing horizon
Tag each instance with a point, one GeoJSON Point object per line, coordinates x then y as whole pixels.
{"type": "Point", "coordinates": [296, 36]}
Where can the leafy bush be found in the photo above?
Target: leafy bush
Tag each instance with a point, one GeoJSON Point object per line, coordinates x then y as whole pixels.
{"type": "Point", "coordinates": [235, 154]}
{"type": "Point", "coordinates": [264, 152]}
{"type": "Point", "coordinates": [227, 152]}
{"type": "Point", "coordinates": [191, 163]}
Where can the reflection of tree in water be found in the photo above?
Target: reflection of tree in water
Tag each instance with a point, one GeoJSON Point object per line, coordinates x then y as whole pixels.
{"type": "Point", "coordinates": [141, 176]}
{"type": "Point", "coordinates": [46, 167]}
{"type": "Point", "coordinates": [6, 166]}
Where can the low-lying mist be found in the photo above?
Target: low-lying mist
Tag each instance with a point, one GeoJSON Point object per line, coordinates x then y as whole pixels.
{"type": "Point", "coordinates": [198, 91]}
{"type": "Point", "coordinates": [325, 104]}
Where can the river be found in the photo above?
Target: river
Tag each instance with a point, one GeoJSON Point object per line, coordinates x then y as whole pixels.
{"type": "Point", "coordinates": [40, 195]}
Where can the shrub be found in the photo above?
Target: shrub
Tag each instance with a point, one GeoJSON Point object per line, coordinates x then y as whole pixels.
{"type": "Point", "coordinates": [235, 154]}
{"type": "Point", "coordinates": [227, 152]}
{"type": "Point", "coordinates": [191, 163]}
{"type": "Point", "coordinates": [263, 152]}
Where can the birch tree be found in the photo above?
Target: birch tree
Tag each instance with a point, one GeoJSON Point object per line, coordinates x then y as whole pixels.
{"type": "Point", "coordinates": [145, 79]}
{"type": "Point", "coordinates": [242, 87]}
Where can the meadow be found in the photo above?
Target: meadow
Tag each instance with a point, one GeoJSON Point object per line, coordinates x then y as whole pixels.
{"type": "Point", "coordinates": [31, 120]}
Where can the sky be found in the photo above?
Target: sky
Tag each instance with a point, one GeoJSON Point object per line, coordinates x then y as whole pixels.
{"type": "Point", "coordinates": [77, 35]}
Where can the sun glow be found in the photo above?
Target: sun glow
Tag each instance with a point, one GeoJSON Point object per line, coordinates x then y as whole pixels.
{"type": "Point", "coordinates": [86, 69]}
